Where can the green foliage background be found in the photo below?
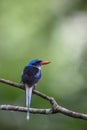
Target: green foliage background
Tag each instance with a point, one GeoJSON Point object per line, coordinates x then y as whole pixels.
{"type": "Point", "coordinates": [54, 30]}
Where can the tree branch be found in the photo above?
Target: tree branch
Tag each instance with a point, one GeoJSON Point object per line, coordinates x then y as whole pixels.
{"type": "Point", "coordinates": [56, 108]}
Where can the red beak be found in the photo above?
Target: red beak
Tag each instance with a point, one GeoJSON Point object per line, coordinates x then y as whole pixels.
{"type": "Point", "coordinates": [44, 62]}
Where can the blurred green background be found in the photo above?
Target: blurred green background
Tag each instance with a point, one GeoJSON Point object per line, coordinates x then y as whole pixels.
{"type": "Point", "coordinates": [54, 30]}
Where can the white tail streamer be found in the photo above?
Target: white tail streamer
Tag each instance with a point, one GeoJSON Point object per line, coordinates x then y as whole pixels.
{"type": "Point", "coordinates": [28, 99]}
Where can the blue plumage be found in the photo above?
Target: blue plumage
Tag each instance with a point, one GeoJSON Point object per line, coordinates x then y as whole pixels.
{"type": "Point", "coordinates": [30, 76]}
{"type": "Point", "coordinates": [32, 73]}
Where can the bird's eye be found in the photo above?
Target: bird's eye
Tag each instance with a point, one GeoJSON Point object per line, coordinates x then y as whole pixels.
{"type": "Point", "coordinates": [38, 61]}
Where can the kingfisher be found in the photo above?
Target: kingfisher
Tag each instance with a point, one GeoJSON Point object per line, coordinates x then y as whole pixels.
{"type": "Point", "coordinates": [30, 76]}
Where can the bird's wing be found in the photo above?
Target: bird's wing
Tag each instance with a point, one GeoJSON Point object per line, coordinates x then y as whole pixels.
{"type": "Point", "coordinates": [31, 75]}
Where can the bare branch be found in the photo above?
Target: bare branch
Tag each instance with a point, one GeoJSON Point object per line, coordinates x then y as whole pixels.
{"type": "Point", "coordinates": [55, 107]}
{"type": "Point", "coordinates": [17, 85]}
{"type": "Point", "coordinates": [24, 109]}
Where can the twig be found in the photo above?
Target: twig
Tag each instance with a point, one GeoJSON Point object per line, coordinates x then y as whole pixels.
{"type": "Point", "coordinates": [55, 107]}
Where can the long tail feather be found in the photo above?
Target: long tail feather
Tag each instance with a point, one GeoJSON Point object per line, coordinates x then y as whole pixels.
{"type": "Point", "coordinates": [28, 99]}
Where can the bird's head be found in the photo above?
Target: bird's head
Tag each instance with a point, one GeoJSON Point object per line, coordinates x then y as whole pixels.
{"type": "Point", "coordinates": [37, 62]}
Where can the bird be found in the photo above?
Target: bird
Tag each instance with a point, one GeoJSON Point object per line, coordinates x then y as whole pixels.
{"type": "Point", "coordinates": [31, 74]}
